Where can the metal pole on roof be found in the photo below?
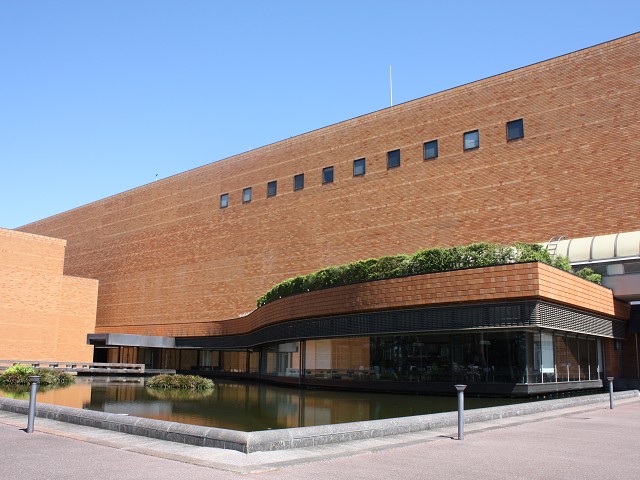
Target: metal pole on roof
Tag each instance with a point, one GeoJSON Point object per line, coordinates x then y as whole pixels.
{"type": "Point", "coordinates": [390, 86]}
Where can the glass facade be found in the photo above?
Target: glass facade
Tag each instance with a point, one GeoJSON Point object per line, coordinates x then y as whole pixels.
{"type": "Point", "coordinates": [488, 357]}
{"type": "Point", "coordinates": [281, 359]}
{"type": "Point", "coordinates": [508, 356]}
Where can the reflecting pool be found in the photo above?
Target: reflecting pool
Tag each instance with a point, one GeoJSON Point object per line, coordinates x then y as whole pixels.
{"type": "Point", "coordinates": [245, 406]}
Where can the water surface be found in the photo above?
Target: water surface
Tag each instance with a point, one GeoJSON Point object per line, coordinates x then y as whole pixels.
{"type": "Point", "coordinates": [246, 406]}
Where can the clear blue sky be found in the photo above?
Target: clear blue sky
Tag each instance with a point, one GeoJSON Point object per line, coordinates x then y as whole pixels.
{"type": "Point", "coordinates": [99, 96]}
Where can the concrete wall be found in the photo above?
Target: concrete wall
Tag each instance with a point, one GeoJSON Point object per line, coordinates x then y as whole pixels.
{"type": "Point", "coordinates": [167, 256]}
{"type": "Point", "coordinates": [44, 315]}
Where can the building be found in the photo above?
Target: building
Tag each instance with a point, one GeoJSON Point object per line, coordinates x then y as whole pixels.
{"type": "Point", "coordinates": [540, 152]}
{"type": "Point", "coordinates": [44, 315]}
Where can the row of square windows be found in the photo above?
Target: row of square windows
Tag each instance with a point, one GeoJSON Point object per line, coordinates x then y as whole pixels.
{"type": "Point", "coordinates": [471, 141]}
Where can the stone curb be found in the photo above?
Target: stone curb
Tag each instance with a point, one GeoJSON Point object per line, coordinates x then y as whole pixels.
{"type": "Point", "coordinates": [282, 439]}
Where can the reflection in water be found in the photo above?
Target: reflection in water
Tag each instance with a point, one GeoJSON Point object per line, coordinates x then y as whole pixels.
{"type": "Point", "coordinates": [178, 394]}
{"type": "Point", "coordinates": [246, 406]}
{"type": "Point", "coordinates": [75, 395]}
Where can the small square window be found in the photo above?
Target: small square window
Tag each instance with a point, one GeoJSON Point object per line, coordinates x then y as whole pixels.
{"type": "Point", "coordinates": [359, 167]}
{"type": "Point", "coordinates": [471, 140]}
{"type": "Point", "coordinates": [393, 159]}
{"type": "Point", "coordinates": [272, 188]}
{"type": "Point", "coordinates": [515, 129]}
{"type": "Point", "coordinates": [327, 175]}
{"type": "Point", "coordinates": [298, 182]}
{"type": "Point", "coordinates": [224, 200]}
{"type": "Point", "coordinates": [431, 149]}
{"type": "Point", "coordinates": [246, 195]}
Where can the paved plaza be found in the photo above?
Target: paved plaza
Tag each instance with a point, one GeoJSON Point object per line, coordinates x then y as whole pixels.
{"type": "Point", "coordinates": [577, 443]}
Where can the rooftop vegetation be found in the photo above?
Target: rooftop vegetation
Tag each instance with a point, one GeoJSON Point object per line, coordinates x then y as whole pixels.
{"type": "Point", "coordinates": [430, 260]}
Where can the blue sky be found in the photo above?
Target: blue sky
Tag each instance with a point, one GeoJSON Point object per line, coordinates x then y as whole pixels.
{"type": "Point", "coordinates": [97, 97]}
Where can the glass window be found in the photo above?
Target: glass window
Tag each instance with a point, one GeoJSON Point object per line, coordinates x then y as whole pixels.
{"type": "Point", "coordinates": [272, 188]}
{"type": "Point", "coordinates": [327, 175]}
{"type": "Point", "coordinates": [393, 159]}
{"type": "Point", "coordinates": [471, 140]}
{"type": "Point", "coordinates": [359, 167]}
{"type": "Point", "coordinates": [234, 362]}
{"type": "Point", "coordinates": [246, 195]}
{"type": "Point", "coordinates": [573, 359]}
{"type": "Point", "coordinates": [298, 181]}
{"type": "Point", "coordinates": [515, 130]}
{"type": "Point", "coordinates": [594, 372]}
{"type": "Point", "coordinates": [224, 200]}
{"type": "Point", "coordinates": [431, 149]}
{"type": "Point", "coordinates": [281, 359]}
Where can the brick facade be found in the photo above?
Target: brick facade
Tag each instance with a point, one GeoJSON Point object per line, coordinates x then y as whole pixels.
{"type": "Point", "coordinates": [171, 262]}
{"type": "Point", "coordinates": [44, 315]}
{"type": "Point", "coordinates": [528, 281]}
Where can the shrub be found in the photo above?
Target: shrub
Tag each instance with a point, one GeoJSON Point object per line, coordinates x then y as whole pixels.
{"type": "Point", "coordinates": [54, 377]}
{"type": "Point", "coordinates": [180, 381]}
{"type": "Point", "coordinates": [589, 274]}
{"type": "Point", "coordinates": [423, 261]}
{"type": "Point", "coordinates": [17, 375]}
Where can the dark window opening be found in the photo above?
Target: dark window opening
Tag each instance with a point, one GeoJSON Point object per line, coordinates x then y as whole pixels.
{"type": "Point", "coordinates": [431, 149]}
{"type": "Point", "coordinates": [393, 159]}
{"type": "Point", "coordinates": [471, 140]}
{"type": "Point", "coordinates": [272, 188]}
{"type": "Point", "coordinates": [246, 195]}
{"type": "Point", "coordinates": [515, 130]}
{"type": "Point", "coordinates": [327, 175]}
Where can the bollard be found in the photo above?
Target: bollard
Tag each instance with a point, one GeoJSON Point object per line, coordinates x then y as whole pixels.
{"type": "Point", "coordinates": [460, 389]}
{"type": "Point", "coordinates": [610, 380]}
{"type": "Point", "coordinates": [34, 380]}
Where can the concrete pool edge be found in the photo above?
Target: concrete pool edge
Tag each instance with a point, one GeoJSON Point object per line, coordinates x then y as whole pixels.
{"type": "Point", "coordinates": [282, 439]}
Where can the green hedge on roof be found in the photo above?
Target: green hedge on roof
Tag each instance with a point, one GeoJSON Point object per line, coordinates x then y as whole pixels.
{"type": "Point", "coordinates": [424, 261]}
